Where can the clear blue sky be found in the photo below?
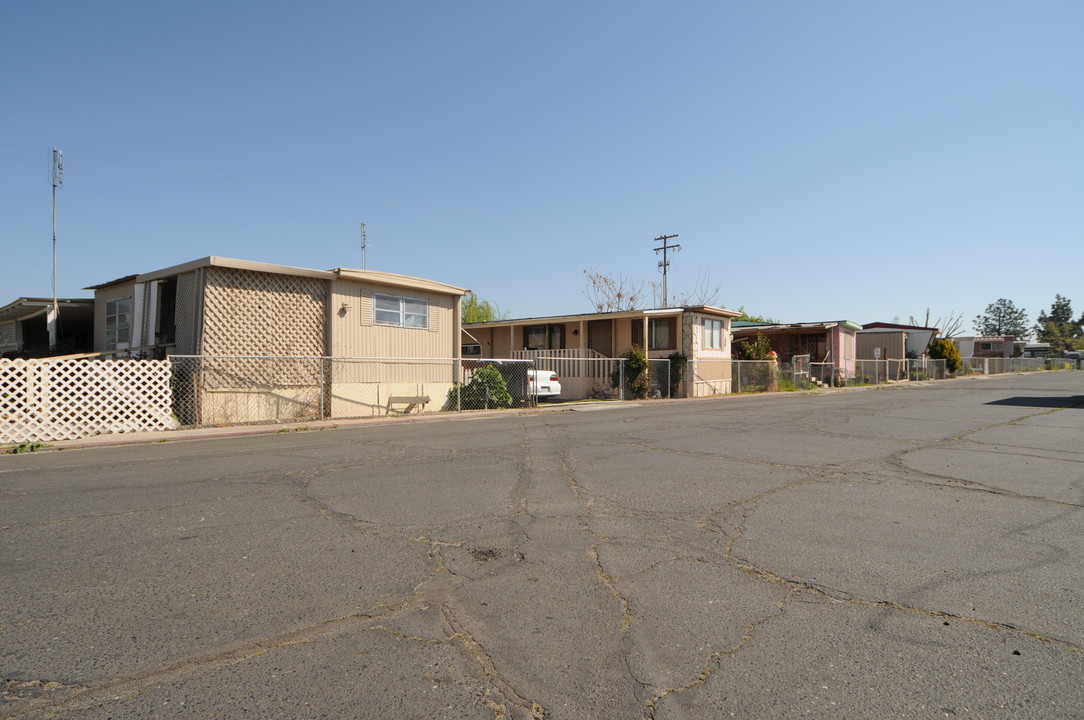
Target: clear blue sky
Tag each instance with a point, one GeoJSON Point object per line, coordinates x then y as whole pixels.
{"type": "Point", "coordinates": [819, 160]}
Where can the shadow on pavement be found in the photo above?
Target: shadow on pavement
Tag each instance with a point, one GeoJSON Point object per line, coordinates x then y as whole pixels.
{"type": "Point", "coordinates": [1042, 402]}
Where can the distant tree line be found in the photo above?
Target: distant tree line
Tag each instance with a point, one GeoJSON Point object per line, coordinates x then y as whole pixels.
{"type": "Point", "coordinates": [1059, 327]}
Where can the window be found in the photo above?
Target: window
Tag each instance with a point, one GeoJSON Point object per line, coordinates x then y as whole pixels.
{"type": "Point", "coordinates": [544, 337]}
{"type": "Point", "coordinates": [660, 332]}
{"type": "Point", "coordinates": [400, 311]}
{"type": "Point", "coordinates": [713, 334]}
{"type": "Point", "coordinates": [118, 324]}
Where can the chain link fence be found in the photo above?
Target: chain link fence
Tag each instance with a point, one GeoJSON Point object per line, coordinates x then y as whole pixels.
{"type": "Point", "coordinates": [757, 376]}
{"type": "Point", "coordinates": [926, 369]}
{"type": "Point", "coordinates": [494, 384]}
{"type": "Point", "coordinates": [227, 390]}
{"type": "Point", "coordinates": [824, 374]}
{"type": "Point", "coordinates": [995, 366]}
{"type": "Point", "coordinates": [212, 390]}
{"type": "Point", "coordinates": [585, 378]}
{"type": "Point", "coordinates": [658, 373]}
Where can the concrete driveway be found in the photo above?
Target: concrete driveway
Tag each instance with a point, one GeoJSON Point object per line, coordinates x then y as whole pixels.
{"type": "Point", "coordinates": [900, 552]}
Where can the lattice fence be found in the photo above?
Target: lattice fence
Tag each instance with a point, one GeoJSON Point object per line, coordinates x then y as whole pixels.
{"type": "Point", "coordinates": [255, 313]}
{"type": "Point", "coordinates": [47, 400]}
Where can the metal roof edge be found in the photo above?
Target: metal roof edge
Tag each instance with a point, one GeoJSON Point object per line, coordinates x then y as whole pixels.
{"type": "Point", "coordinates": [778, 327]}
{"type": "Point", "coordinates": [234, 264]}
{"type": "Point", "coordinates": [396, 279]}
{"type": "Point", "coordinates": [615, 315]}
{"type": "Point", "coordinates": [24, 308]}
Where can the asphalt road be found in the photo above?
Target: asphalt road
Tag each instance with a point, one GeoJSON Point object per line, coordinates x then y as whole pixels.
{"type": "Point", "coordinates": [908, 552]}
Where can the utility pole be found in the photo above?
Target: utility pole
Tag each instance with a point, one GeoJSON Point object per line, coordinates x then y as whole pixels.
{"type": "Point", "coordinates": [363, 246]}
{"type": "Point", "coordinates": [664, 264]}
{"type": "Point", "coordinates": [53, 314]}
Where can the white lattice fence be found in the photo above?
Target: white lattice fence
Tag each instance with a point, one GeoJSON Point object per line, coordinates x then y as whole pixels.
{"type": "Point", "coordinates": [46, 400]}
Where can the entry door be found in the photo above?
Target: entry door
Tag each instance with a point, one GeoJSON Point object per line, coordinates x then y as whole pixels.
{"type": "Point", "coordinates": [600, 337]}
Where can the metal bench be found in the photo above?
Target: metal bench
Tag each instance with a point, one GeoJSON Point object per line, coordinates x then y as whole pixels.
{"type": "Point", "coordinates": [411, 402]}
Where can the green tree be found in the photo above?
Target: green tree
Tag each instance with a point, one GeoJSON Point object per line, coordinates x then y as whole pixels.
{"type": "Point", "coordinates": [944, 349]}
{"type": "Point", "coordinates": [476, 310]}
{"type": "Point", "coordinates": [746, 317]}
{"type": "Point", "coordinates": [1003, 318]}
{"type": "Point", "coordinates": [1058, 328]}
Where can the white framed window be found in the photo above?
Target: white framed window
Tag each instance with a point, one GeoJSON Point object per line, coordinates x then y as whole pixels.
{"type": "Point", "coordinates": [118, 324]}
{"type": "Point", "coordinates": [660, 333]}
{"type": "Point", "coordinates": [544, 337]}
{"type": "Point", "coordinates": [713, 334]}
{"type": "Point", "coordinates": [402, 312]}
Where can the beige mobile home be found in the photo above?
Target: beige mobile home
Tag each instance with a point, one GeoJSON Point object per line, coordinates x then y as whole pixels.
{"type": "Point", "coordinates": [892, 341]}
{"type": "Point", "coordinates": [700, 333]}
{"type": "Point", "coordinates": [258, 337]}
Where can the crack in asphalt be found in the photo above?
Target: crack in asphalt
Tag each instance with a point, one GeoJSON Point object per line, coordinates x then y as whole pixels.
{"type": "Point", "coordinates": [87, 697]}
{"type": "Point", "coordinates": [955, 483]}
{"type": "Point", "coordinates": [500, 696]}
{"type": "Point", "coordinates": [712, 662]}
{"type": "Point", "coordinates": [478, 653]}
{"type": "Point", "coordinates": [838, 595]}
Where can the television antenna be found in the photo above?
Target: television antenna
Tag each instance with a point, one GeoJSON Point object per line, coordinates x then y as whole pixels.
{"type": "Point", "coordinates": [364, 245]}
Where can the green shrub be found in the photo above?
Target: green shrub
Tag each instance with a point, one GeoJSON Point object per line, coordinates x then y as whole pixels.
{"type": "Point", "coordinates": [678, 361]}
{"type": "Point", "coordinates": [487, 389]}
{"type": "Point", "coordinates": [942, 349]}
{"type": "Point", "coordinates": [637, 379]}
{"type": "Point", "coordinates": [28, 447]}
{"type": "Point", "coordinates": [756, 349]}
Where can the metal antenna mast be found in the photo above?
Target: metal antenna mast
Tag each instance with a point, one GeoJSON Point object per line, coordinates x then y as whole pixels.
{"type": "Point", "coordinates": [665, 262]}
{"type": "Point", "coordinates": [363, 246]}
{"type": "Point", "coordinates": [54, 311]}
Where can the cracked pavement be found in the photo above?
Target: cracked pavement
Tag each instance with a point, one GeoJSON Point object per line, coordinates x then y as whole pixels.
{"type": "Point", "coordinates": [914, 551]}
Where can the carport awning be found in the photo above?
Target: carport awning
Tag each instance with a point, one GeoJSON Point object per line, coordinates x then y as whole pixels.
{"type": "Point", "coordinates": [26, 308]}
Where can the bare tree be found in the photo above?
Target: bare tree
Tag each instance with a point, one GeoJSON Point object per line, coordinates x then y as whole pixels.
{"type": "Point", "coordinates": [702, 293]}
{"type": "Point", "coordinates": [613, 294]}
{"type": "Point", "coordinates": [948, 326]}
